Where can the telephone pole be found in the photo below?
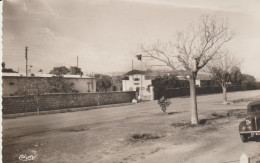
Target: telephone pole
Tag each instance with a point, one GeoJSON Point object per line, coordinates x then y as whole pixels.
{"type": "Point", "coordinates": [132, 65]}
{"type": "Point", "coordinates": [77, 65]}
{"type": "Point", "coordinates": [26, 58]}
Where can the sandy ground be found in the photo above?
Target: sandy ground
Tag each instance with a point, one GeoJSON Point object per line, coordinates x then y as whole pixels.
{"type": "Point", "coordinates": [112, 134]}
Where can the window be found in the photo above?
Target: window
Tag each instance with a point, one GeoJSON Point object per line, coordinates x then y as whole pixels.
{"type": "Point", "coordinates": [125, 78]}
{"type": "Point", "coordinates": [11, 83]}
{"type": "Point", "coordinates": [136, 83]}
{"type": "Point", "coordinates": [136, 79]}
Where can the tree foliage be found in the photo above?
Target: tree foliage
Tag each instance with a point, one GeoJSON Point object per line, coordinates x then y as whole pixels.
{"type": "Point", "coordinates": [168, 81]}
{"type": "Point", "coordinates": [75, 70]}
{"type": "Point", "coordinates": [45, 85]}
{"type": "Point", "coordinates": [249, 81]}
{"type": "Point", "coordinates": [117, 82]}
{"type": "Point", "coordinates": [60, 71]}
{"type": "Point", "coordinates": [236, 76]}
{"type": "Point", "coordinates": [224, 68]}
{"type": "Point", "coordinates": [103, 82]}
{"type": "Point", "coordinates": [9, 70]}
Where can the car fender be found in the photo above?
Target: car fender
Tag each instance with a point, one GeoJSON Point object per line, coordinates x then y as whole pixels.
{"type": "Point", "coordinates": [242, 126]}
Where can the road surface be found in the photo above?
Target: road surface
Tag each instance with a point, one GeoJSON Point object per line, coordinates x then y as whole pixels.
{"type": "Point", "coordinates": [105, 135]}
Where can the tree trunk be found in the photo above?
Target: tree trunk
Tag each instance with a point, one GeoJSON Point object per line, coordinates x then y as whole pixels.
{"type": "Point", "coordinates": [224, 89]}
{"type": "Point", "coordinates": [193, 97]}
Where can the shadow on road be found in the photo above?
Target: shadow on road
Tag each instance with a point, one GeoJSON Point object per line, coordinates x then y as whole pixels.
{"type": "Point", "coordinates": [170, 113]}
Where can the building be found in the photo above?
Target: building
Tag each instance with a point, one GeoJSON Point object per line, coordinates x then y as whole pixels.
{"type": "Point", "coordinates": [12, 82]}
{"type": "Point", "coordinates": [136, 80]}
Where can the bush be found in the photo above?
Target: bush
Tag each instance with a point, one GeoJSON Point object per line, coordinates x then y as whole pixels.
{"type": "Point", "coordinates": [164, 103]}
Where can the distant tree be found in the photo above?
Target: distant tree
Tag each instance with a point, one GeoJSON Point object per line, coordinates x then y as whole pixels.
{"type": "Point", "coordinates": [59, 85]}
{"type": "Point", "coordinates": [249, 81]}
{"type": "Point", "coordinates": [103, 82]}
{"type": "Point", "coordinates": [166, 81]}
{"type": "Point", "coordinates": [125, 78]}
{"type": "Point", "coordinates": [60, 71]}
{"type": "Point", "coordinates": [257, 85]}
{"type": "Point", "coordinates": [221, 68]}
{"type": "Point", "coordinates": [236, 76]}
{"type": "Point", "coordinates": [117, 82]}
{"type": "Point", "coordinates": [41, 71]}
{"type": "Point", "coordinates": [45, 85]}
{"type": "Point", "coordinates": [3, 65]}
{"type": "Point", "coordinates": [9, 70]}
{"type": "Point", "coordinates": [75, 71]}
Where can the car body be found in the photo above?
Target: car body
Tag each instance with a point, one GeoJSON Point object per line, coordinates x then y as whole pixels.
{"type": "Point", "coordinates": [251, 126]}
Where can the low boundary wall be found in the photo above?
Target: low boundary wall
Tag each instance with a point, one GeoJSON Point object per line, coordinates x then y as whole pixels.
{"type": "Point", "coordinates": [46, 102]}
{"type": "Point", "coordinates": [177, 92]}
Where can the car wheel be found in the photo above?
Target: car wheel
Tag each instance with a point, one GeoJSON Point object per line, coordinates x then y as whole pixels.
{"type": "Point", "coordinates": [244, 138]}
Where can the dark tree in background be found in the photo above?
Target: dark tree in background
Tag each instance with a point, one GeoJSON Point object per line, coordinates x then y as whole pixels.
{"type": "Point", "coordinates": [75, 70]}
{"type": "Point", "coordinates": [45, 85]}
{"type": "Point", "coordinates": [236, 76]}
{"type": "Point", "coordinates": [104, 82]}
{"type": "Point", "coordinates": [3, 65]}
{"type": "Point", "coordinates": [4, 69]}
{"type": "Point", "coordinates": [249, 81]}
{"type": "Point", "coordinates": [117, 82]}
{"type": "Point", "coordinates": [60, 71]}
{"type": "Point", "coordinates": [221, 69]}
{"type": "Point", "coordinates": [166, 81]}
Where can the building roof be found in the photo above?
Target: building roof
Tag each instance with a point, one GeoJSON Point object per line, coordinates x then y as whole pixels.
{"type": "Point", "coordinates": [153, 74]}
{"type": "Point", "coordinates": [44, 75]}
{"type": "Point", "coordinates": [133, 72]}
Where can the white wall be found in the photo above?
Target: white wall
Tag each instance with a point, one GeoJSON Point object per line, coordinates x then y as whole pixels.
{"type": "Point", "coordinates": [11, 84]}
{"type": "Point", "coordinates": [131, 83]}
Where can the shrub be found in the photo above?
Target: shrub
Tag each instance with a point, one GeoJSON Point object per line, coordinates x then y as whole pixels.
{"type": "Point", "coordinates": [164, 103]}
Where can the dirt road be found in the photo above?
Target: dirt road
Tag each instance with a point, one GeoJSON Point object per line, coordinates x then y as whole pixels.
{"type": "Point", "coordinates": [134, 133]}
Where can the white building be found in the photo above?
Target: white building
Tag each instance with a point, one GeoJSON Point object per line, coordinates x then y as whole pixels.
{"type": "Point", "coordinates": [140, 81]}
{"type": "Point", "coordinates": [12, 82]}
{"type": "Point", "coordinates": [136, 80]}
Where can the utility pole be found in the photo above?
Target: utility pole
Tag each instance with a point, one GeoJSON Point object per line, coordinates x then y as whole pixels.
{"type": "Point", "coordinates": [141, 77]}
{"type": "Point", "coordinates": [77, 65]}
{"type": "Point", "coordinates": [26, 58]}
{"type": "Point", "coordinates": [132, 65]}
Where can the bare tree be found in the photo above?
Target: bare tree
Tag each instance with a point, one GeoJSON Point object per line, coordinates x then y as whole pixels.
{"type": "Point", "coordinates": [221, 69]}
{"type": "Point", "coordinates": [191, 51]}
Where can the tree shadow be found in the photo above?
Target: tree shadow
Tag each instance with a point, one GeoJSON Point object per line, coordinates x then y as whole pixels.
{"type": "Point", "coordinates": [171, 113]}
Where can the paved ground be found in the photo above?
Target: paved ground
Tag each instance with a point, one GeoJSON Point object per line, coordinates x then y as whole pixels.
{"type": "Point", "coordinates": [106, 135]}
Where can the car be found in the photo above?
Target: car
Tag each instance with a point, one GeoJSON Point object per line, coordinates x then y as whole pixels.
{"type": "Point", "coordinates": [250, 128]}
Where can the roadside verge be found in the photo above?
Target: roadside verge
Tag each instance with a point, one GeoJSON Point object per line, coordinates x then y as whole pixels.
{"type": "Point", "coordinates": [6, 116]}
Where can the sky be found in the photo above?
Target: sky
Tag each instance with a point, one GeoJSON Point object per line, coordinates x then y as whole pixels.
{"type": "Point", "coordinates": [105, 33]}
